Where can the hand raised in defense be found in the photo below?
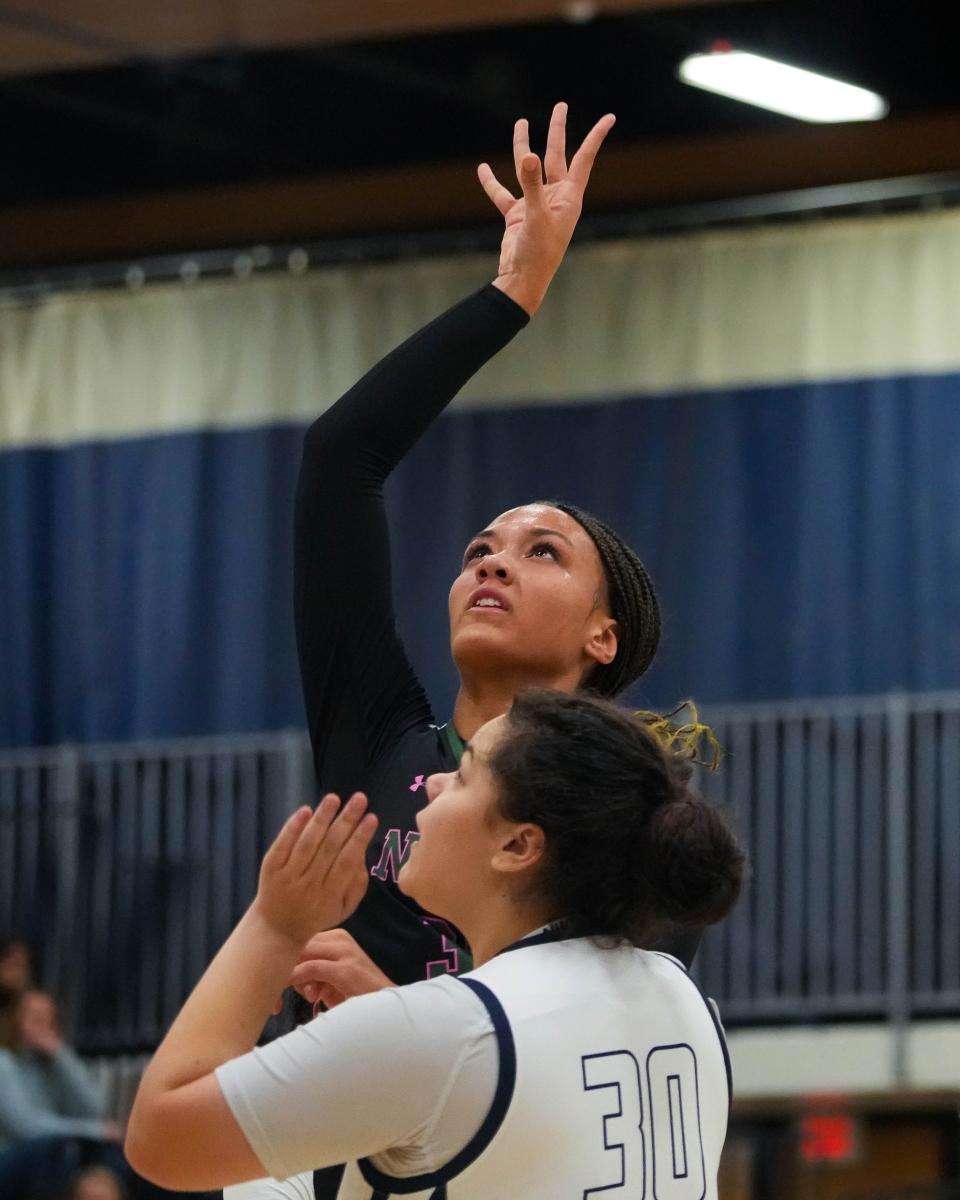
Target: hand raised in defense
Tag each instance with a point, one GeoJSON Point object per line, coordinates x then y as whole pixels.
{"type": "Point", "coordinates": [315, 874]}
{"type": "Point", "coordinates": [540, 224]}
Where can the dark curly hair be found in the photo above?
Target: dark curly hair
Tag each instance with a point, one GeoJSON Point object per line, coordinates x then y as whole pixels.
{"type": "Point", "coordinates": [630, 848]}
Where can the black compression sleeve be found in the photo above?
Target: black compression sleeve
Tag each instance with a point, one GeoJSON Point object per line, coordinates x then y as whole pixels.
{"type": "Point", "coordinates": [359, 688]}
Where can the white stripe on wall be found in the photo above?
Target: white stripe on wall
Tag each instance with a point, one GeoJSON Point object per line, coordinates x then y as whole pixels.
{"type": "Point", "coordinates": [823, 300]}
{"type": "Point", "coordinates": [843, 1059]}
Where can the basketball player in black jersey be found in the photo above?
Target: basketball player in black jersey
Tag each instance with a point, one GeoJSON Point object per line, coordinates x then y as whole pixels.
{"type": "Point", "coordinates": [548, 595]}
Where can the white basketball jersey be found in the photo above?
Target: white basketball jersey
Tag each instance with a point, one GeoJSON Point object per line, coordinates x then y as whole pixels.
{"type": "Point", "coordinates": [613, 1083]}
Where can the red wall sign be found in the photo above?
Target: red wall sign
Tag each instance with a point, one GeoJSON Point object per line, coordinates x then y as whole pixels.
{"type": "Point", "coordinates": [829, 1137]}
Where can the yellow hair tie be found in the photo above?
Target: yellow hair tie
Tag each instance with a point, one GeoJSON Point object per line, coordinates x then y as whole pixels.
{"type": "Point", "coordinates": [684, 740]}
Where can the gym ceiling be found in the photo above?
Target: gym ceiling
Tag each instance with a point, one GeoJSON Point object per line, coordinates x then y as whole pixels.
{"type": "Point", "coordinates": [149, 128]}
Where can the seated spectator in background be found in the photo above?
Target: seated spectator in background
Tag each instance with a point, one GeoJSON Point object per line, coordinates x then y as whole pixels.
{"type": "Point", "coordinates": [52, 1121]}
{"type": "Point", "coordinates": [14, 969]}
{"type": "Point", "coordinates": [15, 978]}
{"type": "Point", "coordinates": [96, 1183]}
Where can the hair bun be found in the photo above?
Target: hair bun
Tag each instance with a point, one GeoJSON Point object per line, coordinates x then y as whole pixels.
{"type": "Point", "coordinates": [696, 866]}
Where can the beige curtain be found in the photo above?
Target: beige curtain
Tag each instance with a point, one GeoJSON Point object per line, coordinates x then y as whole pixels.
{"type": "Point", "coordinates": [819, 300]}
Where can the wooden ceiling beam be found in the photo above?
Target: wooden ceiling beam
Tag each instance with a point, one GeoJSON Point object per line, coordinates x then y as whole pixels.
{"type": "Point", "coordinates": [52, 35]}
{"type": "Point", "coordinates": [411, 198]}
{"type": "Point", "coordinates": [347, 19]}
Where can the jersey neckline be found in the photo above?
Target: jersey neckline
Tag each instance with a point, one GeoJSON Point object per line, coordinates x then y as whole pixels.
{"type": "Point", "coordinates": [556, 931]}
{"type": "Point", "coordinates": [454, 741]}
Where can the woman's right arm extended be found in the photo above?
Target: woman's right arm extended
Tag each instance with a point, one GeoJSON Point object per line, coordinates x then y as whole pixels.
{"type": "Point", "coordinates": [358, 685]}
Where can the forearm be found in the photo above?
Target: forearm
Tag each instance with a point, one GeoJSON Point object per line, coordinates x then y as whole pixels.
{"type": "Point", "coordinates": [226, 1011]}
{"type": "Point", "coordinates": [391, 406]}
{"type": "Point", "coordinates": [45, 1124]}
{"type": "Point", "coordinates": [182, 1133]}
{"type": "Point", "coordinates": [82, 1098]}
{"type": "Point", "coordinates": [22, 1120]}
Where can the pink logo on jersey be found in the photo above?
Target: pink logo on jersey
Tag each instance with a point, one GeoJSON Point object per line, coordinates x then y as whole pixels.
{"type": "Point", "coordinates": [417, 783]}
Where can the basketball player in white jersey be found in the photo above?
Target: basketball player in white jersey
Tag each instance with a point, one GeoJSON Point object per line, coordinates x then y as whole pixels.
{"type": "Point", "coordinates": [568, 1063]}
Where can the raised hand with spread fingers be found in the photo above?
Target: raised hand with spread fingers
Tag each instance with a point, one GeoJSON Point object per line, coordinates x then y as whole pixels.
{"type": "Point", "coordinates": [540, 222]}
{"type": "Point", "coordinates": [314, 875]}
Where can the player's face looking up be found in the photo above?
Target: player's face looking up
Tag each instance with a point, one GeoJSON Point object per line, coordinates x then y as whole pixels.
{"type": "Point", "coordinates": [469, 854]}
{"type": "Point", "coordinates": [530, 603]}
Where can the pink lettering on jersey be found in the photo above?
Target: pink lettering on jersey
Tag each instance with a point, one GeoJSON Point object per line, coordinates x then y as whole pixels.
{"type": "Point", "coordinates": [450, 964]}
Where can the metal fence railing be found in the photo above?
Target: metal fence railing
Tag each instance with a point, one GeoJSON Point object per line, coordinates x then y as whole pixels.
{"type": "Point", "coordinates": [126, 865]}
{"type": "Point", "coordinates": [851, 811]}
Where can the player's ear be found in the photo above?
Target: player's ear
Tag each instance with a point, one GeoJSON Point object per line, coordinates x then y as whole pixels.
{"type": "Point", "coordinates": [603, 640]}
{"type": "Point", "coordinates": [521, 847]}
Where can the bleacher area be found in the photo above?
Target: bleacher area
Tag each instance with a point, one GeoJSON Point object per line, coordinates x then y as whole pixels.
{"type": "Point", "coordinates": [126, 865]}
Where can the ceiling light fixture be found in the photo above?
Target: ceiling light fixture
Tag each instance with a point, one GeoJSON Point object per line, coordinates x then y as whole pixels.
{"type": "Point", "coordinates": [779, 87]}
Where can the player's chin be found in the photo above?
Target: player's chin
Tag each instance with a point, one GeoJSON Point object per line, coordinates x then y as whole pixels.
{"type": "Point", "coordinates": [414, 882]}
{"type": "Point", "coordinates": [407, 880]}
{"type": "Point", "coordinates": [484, 642]}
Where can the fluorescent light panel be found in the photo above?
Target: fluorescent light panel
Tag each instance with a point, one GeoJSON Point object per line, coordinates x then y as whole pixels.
{"type": "Point", "coordinates": [780, 87]}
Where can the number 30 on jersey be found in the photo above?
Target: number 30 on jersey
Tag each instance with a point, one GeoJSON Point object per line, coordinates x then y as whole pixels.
{"type": "Point", "coordinates": [648, 1123]}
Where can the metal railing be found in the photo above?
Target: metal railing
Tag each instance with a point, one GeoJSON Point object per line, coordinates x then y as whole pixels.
{"type": "Point", "coordinates": [127, 865]}
{"type": "Point", "coordinates": [851, 811]}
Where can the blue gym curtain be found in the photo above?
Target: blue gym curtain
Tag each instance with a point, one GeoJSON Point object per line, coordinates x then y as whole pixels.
{"type": "Point", "coordinates": [771, 417]}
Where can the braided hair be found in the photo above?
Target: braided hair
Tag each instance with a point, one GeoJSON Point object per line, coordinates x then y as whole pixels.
{"type": "Point", "coordinates": [633, 605]}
